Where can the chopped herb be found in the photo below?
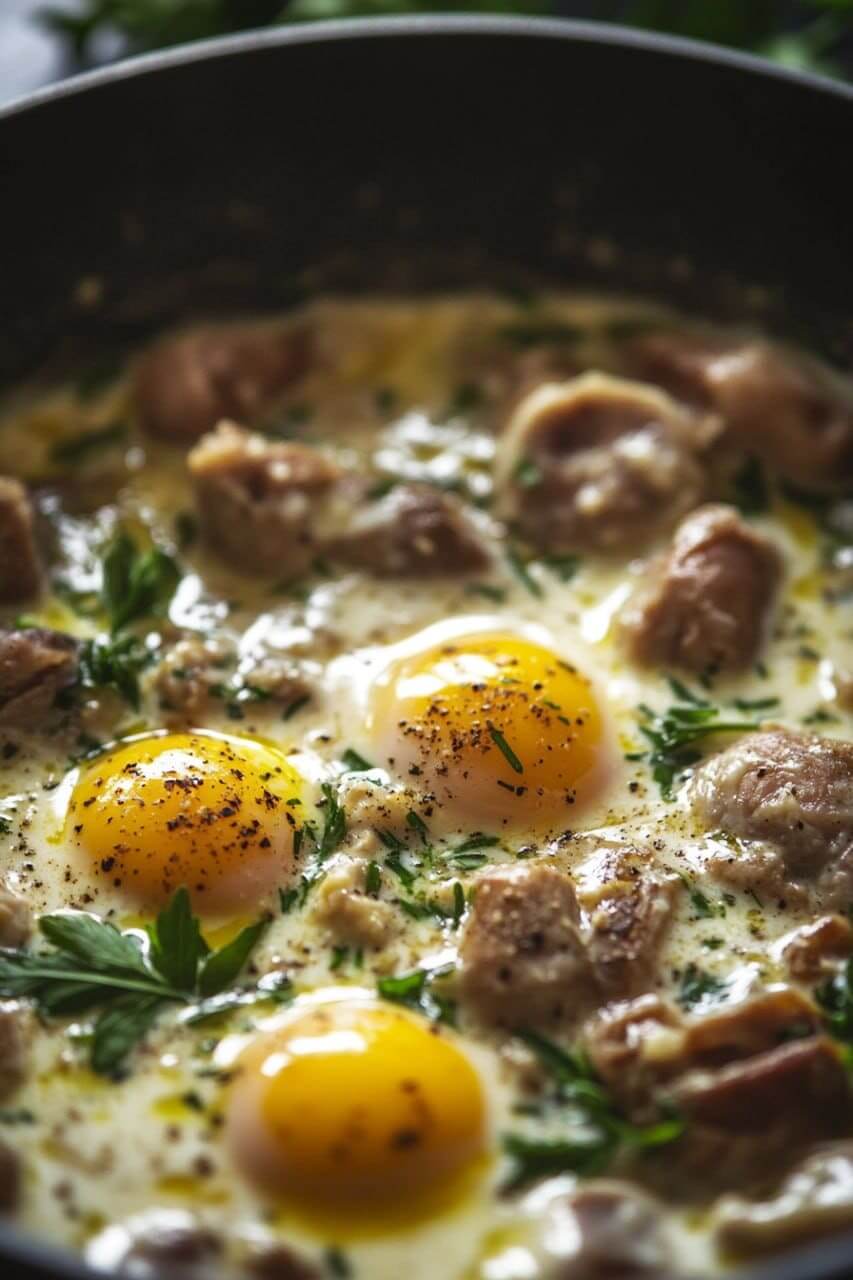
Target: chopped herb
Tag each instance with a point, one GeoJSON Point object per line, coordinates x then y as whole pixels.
{"type": "Point", "coordinates": [115, 663]}
{"type": "Point", "coordinates": [354, 763]}
{"type": "Point", "coordinates": [186, 529]}
{"type": "Point", "coordinates": [78, 448]}
{"type": "Point", "coordinates": [505, 749]}
{"type": "Point", "coordinates": [820, 716]}
{"type": "Point", "coordinates": [527, 474]}
{"type": "Point", "coordinates": [337, 1263]}
{"type": "Point", "coordinates": [684, 694]}
{"type": "Point", "coordinates": [287, 899]}
{"type": "Point", "coordinates": [835, 997]}
{"type": "Point", "coordinates": [93, 966]}
{"type": "Point", "coordinates": [698, 987]}
{"type": "Point", "coordinates": [416, 822]}
{"type": "Point", "coordinates": [17, 1115]}
{"type": "Point", "coordinates": [486, 590]}
{"type": "Point", "coordinates": [467, 861]}
{"type": "Point", "coordinates": [334, 823]}
{"type": "Point", "coordinates": [5, 826]}
{"type": "Point", "coordinates": [136, 583]}
{"type": "Point", "coordinates": [705, 909]}
{"type": "Point", "coordinates": [340, 955]}
{"type": "Point", "coordinates": [466, 397]}
{"type": "Point", "coordinates": [713, 944]}
{"type": "Point", "coordinates": [755, 704]}
{"type": "Point", "coordinates": [373, 879]}
{"type": "Point", "coordinates": [519, 568]}
{"type": "Point", "coordinates": [598, 1127]}
{"type": "Point", "coordinates": [749, 489]}
{"type": "Point", "coordinates": [563, 567]}
{"type": "Point", "coordinates": [415, 990]}
{"type": "Point", "coordinates": [458, 904]}
{"type": "Point", "coordinates": [385, 399]}
{"type": "Point", "coordinates": [296, 705]}
{"type": "Point", "coordinates": [672, 736]}
{"type": "Point", "coordinates": [390, 839]}
{"type": "Point", "coordinates": [477, 841]}
{"type": "Point", "coordinates": [395, 863]}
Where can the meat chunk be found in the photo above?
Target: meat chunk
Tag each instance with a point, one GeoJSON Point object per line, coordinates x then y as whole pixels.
{"type": "Point", "coordinates": [522, 960]}
{"type": "Point", "coordinates": [348, 912]}
{"type": "Point", "coordinates": [599, 463]}
{"type": "Point", "coordinates": [793, 792]}
{"type": "Point", "coordinates": [187, 674]}
{"type": "Point", "coordinates": [787, 409]}
{"type": "Point", "coordinates": [258, 501]}
{"type": "Point", "coordinates": [606, 1230]}
{"type": "Point", "coordinates": [703, 606]}
{"type": "Point", "coordinates": [184, 385]}
{"type": "Point", "coordinates": [815, 950]}
{"type": "Point", "coordinates": [745, 1120]}
{"type": "Point", "coordinates": [279, 1262]}
{"type": "Point", "coordinates": [14, 1042]}
{"type": "Point", "coordinates": [10, 1178]}
{"type": "Point", "coordinates": [35, 666]}
{"type": "Point", "coordinates": [627, 905]}
{"type": "Point", "coordinates": [20, 566]}
{"type": "Point", "coordinates": [14, 917]}
{"type": "Point", "coordinates": [755, 1081]}
{"type": "Point", "coordinates": [156, 1243]}
{"type": "Point", "coordinates": [812, 1202]}
{"type": "Point", "coordinates": [415, 531]}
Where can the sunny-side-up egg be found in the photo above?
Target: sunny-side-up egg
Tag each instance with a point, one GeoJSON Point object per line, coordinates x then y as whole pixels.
{"type": "Point", "coordinates": [358, 1115]}
{"type": "Point", "coordinates": [214, 813]}
{"type": "Point", "coordinates": [496, 728]}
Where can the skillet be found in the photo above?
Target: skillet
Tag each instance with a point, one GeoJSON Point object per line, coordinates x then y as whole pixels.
{"type": "Point", "coordinates": [415, 154]}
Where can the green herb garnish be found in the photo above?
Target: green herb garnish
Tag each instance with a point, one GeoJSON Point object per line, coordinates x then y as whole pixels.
{"type": "Point", "coordinates": [505, 749]}
{"type": "Point", "coordinates": [136, 584]}
{"type": "Point", "coordinates": [673, 735]}
{"type": "Point", "coordinates": [95, 967]}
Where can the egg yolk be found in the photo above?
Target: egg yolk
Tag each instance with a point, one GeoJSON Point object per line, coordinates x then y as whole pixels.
{"type": "Point", "coordinates": [213, 813]}
{"type": "Point", "coordinates": [496, 728]}
{"type": "Point", "coordinates": [355, 1107]}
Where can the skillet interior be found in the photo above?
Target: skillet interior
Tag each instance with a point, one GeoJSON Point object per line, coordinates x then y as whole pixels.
{"type": "Point", "coordinates": [420, 154]}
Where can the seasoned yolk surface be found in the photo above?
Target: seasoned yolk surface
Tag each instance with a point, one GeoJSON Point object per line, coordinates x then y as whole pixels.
{"type": "Point", "coordinates": [496, 728]}
{"type": "Point", "coordinates": [355, 1107]}
{"type": "Point", "coordinates": [195, 809]}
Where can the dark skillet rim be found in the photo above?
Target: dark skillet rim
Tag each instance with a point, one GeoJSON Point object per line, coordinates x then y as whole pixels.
{"type": "Point", "coordinates": [424, 26]}
{"type": "Point", "coordinates": [831, 1258]}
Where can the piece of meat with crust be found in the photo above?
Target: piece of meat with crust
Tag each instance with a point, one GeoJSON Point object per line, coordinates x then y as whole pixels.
{"type": "Point", "coordinates": [258, 501]}
{"type": "Point", "coordinates": [158, 1242]}
{"type": "Point", "coordinates": [792, 792]}
{"type": "Point", "coordinates": [15, 1031]}
{"type": "Point", "coordinates": [35, 666]}
{"type": "Point", "coordinates": [637, 1046]}
{"type": "Point", "coordinates": [522, 958]}
{"type": "Point", "coordinates": [626, 904]}
{"type": "Point", "coordinates": [10, 1177]}
{"type": "Point", "coordinates": [756, 1082]}
{"type": "Point", "coordinates": [813, 1201]}
{"type": "Point", "coordinates": [15, 917]}
{"type": "Point", "coordinates": [816, 950]}
{"type": "Point", "coordinates": [606, 1230]}
{"type": "Point", "coordinates": [342, 905]}
{"type": "Point", "coordinates": [598, 463]}
{"type": "Point", "coordinates": [750, 1118]}
{"type": "Point", "coordinates": [786, 408]}
{"type": "Point", "coordinates": [185, 384]}
{"type": "Point", "coordinates": [703, 606]}
{"type": "Point", "coordinates": [20, 563]}
{"type": "Point", "coordinates": [278, 1261]}
{"type": "Point", "coordinates": [414, 531]}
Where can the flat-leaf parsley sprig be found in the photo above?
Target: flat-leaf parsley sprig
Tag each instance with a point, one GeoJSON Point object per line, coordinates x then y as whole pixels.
{"type": "Point", "coordinates": [124, 978]}
{"type": "Point", "coordinates": [673, 735]}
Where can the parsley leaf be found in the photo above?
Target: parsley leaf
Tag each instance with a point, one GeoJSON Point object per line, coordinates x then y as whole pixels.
{"type": "Point", "coordinates": [672, 735]}
{"type": "Point", "coordinates": [355, 763]}
{"type": "Point", "coordinates": [334, 823]}
{"type": "Point", "coordinates": [505, 749]}
{"type": "Point", "coordinates": [113, 664]}
{"type": "Point", "coordinates": [136, 583]}
{"type": "Point", "coordinates": [95, 967]}
{"type": "Point", "coordinates": [698, 987]}
{"type": "Point", "coordinates": [415, 990]}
